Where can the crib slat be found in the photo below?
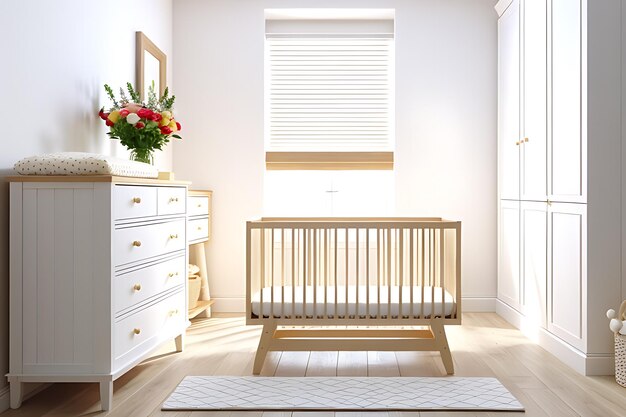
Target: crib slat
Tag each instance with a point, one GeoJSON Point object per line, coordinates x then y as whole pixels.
{"type": "Point", "coordinates": [401, 271]}
{"type": "Point", "coordinates": [357, 273]}
{"type": "Point", "coordinates": [389, 273]}
{"type": "Point", "coordinates": [335, 264]}
{"type": "Point", "coordinates": [367, 274]}
{"type": "Point", "coordinates": [411, 258]}
{"type": "Point", "coordinates": [378, 272]}
{"type": "Point", "coordinates": [282, 273]}
{"type": "Point", "coordinates": [293, 272]}
{"type": "Point", "coordinates": [442, 275]}
{"type": "Point", "coordinates": [345, 278]}
{"type": "Point", "coordinates": [325, 273]}
{"type": "Point", "coordinates": [305, 266]}
{"type": "Point", "coordinates": [432, 273]}
{"type": "Point", "coordinates": [457, 272]}
{"type": "Point", "coordinates": [314, 273]}
{"type": "Point", "coordinates": [262, 277]}
{"type": "Point", "coordinates": [272, 276]}
{"type": "Point", "coordinates": [423, 260]}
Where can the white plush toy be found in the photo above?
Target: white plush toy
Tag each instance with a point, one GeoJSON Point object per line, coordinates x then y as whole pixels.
{"type": "Point", "coordinates": [616, 324]}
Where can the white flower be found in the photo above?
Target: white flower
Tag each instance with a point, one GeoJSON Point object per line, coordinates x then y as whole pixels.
{"type": "Point", "coordinates": [132, 118]}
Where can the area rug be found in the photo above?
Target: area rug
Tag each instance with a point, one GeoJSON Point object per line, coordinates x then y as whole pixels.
{"type": "Point", "coordinates": [341, 394]}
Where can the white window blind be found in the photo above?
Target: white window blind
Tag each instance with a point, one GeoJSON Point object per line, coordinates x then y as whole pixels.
{"type": "Point", "coordinates": [329, 93]}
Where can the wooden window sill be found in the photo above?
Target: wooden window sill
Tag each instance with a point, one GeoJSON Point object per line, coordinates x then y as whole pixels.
{"type": "Point", "coordinates": [329, 160]}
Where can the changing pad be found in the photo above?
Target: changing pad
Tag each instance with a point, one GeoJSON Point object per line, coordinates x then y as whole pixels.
{"type": "Point", "coordinates": [81, 163]}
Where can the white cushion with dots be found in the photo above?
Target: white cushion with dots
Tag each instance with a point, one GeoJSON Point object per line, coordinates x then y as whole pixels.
{"type": "Point", "coordinates": [81, 163]}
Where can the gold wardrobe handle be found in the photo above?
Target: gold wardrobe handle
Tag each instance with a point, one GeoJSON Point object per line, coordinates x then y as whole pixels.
{"type": "Point", "coordinates": [136, 243]}
{"type": "Point", "coordinates": [137, 287]}
{"type": "Point", "coordinates": [136, 330]}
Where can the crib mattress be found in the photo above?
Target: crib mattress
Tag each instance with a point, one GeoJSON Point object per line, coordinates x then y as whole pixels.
{"type": "Point", "coordinates": [294, 304]}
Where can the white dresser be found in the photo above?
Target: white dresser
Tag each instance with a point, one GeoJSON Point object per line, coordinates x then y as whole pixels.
{"type": "Point", "coordinates": [97, 277]}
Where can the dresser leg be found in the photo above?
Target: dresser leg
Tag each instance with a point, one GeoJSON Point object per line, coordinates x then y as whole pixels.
{"type": "Point", "coordinates": [16, 393]}
{"type": "Point", "coordinates": [180, 342]}
{"type": "Point", "coordinates": [106, 395]}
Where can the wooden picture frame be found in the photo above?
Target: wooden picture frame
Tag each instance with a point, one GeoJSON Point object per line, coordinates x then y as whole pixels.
{"type": "Point", "coordinates": [145, 46]}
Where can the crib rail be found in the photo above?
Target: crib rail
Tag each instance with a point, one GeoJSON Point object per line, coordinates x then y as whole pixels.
{"type": "Point", "coordinates": [356, 271]}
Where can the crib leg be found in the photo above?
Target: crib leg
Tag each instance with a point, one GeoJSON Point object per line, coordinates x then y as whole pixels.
{"type": "Point", "coordinates": [264, 345]}
{"type": "Point", "coordinates": [441, 342]}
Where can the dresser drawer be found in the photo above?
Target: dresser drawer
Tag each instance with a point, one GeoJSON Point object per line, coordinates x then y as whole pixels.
{"type": "Point", "coordinates": [198, 229]}
{"type": "Point", "coordinates": [172, 200]}
{"type": "Point", "coordinates": [142, 242]}
{"type": "Point", "coordinates": [198, 205]}
{"type": "Point", "coordinates": [130, 201]}
{"type": "Point", "coordinates": [139, 285]}
{"type": "Point", "coordinates": [163, 317]}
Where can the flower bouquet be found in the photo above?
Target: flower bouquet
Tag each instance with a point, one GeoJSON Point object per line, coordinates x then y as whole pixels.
{"type": "Point", "coordinates": [142, 128]}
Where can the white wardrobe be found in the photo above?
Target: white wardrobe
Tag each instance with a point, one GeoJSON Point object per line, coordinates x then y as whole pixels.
{"type": "Point", "coordinates": [559, 174]}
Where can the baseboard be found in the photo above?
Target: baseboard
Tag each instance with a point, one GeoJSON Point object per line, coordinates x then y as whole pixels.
{"type": "Point", "coordinates": [478, 304]}
{"type": "Point", "coordinates": [5, 398]}
{"type": "Point", "coordinates": [585, 364]}
{"type": "Point", "coordinates": [229, 305]}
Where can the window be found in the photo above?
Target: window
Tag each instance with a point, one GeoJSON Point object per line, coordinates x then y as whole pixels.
{"type": "Point", "coordinates": [329, 89]}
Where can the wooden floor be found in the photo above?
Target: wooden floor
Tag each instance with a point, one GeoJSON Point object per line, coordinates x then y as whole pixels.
{"type": "Point", "coordinates": [485, 345]}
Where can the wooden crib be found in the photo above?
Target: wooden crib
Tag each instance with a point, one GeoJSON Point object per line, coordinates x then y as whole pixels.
{"type": "Point", "coordinates": [385, 275]}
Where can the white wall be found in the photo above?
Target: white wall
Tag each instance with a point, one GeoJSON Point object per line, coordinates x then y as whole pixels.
{"type": "Point", "coordinates": [57, 55]}
{"type": "Point", "coordinates": [445, 123]}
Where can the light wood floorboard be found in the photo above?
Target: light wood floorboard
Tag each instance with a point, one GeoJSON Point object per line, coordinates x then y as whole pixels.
{"type": "Point", "coordinates": [485, 345]}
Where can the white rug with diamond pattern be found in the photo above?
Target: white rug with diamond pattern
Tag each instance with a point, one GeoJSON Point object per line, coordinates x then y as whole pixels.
{"type": "Point", "coordinates": [341, 393]}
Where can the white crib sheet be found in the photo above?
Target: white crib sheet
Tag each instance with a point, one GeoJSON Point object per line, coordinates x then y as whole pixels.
{"type": "Point", "coordinates": [289, 306]}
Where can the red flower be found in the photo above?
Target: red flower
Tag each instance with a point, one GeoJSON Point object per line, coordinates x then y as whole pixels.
{"type": "Point", "coordinates": [166, 130]}
{"type": "Point", "coordinates": [124, 112]}
{"type": "Point", "coordinates": [156, 117]}
{"type": "Point", "coordinates": [102, 114]}
{"type": "Point", "coordinates": [177, 125]}
{"type": "Point", "coordinates": [145, 113]}
{"type": "Point", "coordinates": [108, 122]}
{"type": "Point", "coordinates": [139, 125]}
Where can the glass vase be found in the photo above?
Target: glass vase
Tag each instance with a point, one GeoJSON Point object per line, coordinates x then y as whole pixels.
{"type": "Point", "coordinates": [142, 155]}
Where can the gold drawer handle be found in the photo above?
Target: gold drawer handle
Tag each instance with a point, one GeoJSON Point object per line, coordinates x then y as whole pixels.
{"type": "Point", "coordinates": [174, 236]}
{"type": "Point", "coordinates": [518, 143]}
{"type": "Point", "coordinates": [173, 199]}
{"type": "Point", "coordinates": [172, 274]}
{"type": "Point", "coordinates": [136, 243]}
{"type": "Point", "coordinates": [137, 200]}
{"type": "Point", "coordinates": [173, 312]}
{"type": "Point", "coordinates": [136, 330]}
{"type": "Point", "coordinates": [137, 287]}
{"type": "Point", "coordinates": [199, 205]}
{"type": "Point", "coordinates": [525, 139]}
{"type": "Point", "coordinates": [199, 227]}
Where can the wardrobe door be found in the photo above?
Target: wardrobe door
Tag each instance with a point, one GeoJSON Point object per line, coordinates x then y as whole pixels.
{"type": "Point", "coordinates": [509, 253]}
{"type": "Point", "coordinates": [534, 261]}
{"type": "Point", "coordinates": [533, 181]}
{"type": "Point", "coordinates": [567, 271]}
{"type": "Point", "coordinates": [567, 176]}
{"type": "Point", "coordinates": [509, 101]}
